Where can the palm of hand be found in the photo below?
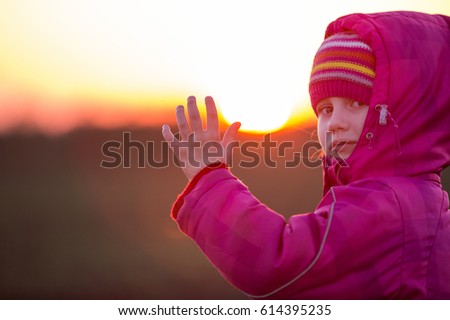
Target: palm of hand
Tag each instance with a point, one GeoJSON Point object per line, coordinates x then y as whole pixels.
{"type": "Point", "coordinates": [198, 147]}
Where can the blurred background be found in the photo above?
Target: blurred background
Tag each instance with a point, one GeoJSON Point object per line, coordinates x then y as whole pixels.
{"type": "Point", "coordinates": [75, 75]}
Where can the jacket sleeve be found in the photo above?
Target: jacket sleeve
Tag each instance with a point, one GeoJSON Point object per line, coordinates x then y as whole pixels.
{"type": "Point", "coordinates": [264, 255]}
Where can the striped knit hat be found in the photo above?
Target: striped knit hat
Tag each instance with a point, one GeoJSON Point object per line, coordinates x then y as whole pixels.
{"type": "Point", "coordinates": [344, 66]}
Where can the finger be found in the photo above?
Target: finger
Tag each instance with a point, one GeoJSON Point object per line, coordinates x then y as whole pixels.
{"type": "Point", "coordinates": [167, 134]}
{"type": "Point", "coordinates": [212, 121]}
{"type": "Point", "coordinates": [231, 133]}
{"type": "Point", "coordinates": [183, 125]}
{"type": "Point", "coordinates": [174, 144]}
{"type": "Point", "coordinates": [194, 115]}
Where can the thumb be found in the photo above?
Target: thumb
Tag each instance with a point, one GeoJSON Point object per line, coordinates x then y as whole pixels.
{"type": "Point", "coordinates": [230, 136]}
{"type": "Point", "coordinates": [231, 133]}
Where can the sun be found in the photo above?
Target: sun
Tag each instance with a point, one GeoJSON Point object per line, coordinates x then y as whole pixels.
{"type": "Point", "coordinates": [261, 104]}
{"type": "Point", "coordinates": [256, 115]}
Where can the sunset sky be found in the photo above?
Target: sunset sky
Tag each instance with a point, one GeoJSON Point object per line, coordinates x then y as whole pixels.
{"type": "Point", "coordinates": [109, 63]}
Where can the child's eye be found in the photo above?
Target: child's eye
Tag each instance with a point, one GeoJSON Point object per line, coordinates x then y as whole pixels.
{"type": "Point", "coordinates": [325, 109]}
{"type": "Point", "coordinates": [357, 104]}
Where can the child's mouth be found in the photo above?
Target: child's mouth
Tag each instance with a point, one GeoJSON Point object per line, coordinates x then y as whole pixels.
{"type": "Point", "coordinates": [341, 144]}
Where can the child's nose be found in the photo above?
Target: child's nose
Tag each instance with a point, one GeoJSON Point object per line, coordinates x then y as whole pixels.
{"type": "Point", "coordinates": [338, 121]}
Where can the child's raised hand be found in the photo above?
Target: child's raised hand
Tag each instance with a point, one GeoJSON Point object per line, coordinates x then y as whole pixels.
{"type": "Point", "coordinates": [199, 147]}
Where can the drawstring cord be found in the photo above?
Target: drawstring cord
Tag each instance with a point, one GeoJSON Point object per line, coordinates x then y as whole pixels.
{"type": "Point", "coordinates": [313, 262]}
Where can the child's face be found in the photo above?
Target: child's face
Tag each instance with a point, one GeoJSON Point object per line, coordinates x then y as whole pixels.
{"type": "Point", "coordinates": [344, 118]}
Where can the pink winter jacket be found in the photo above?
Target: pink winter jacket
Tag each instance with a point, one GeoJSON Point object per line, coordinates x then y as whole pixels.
{"type": "Point", "coordinates": [382, 229]}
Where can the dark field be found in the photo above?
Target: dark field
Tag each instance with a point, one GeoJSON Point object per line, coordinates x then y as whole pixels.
{"type": "Point", "coordinates": [70, 229]}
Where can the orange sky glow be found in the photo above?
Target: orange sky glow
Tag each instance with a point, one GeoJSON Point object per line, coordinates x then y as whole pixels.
{"type": "Point", "coordinates": [107, 64]}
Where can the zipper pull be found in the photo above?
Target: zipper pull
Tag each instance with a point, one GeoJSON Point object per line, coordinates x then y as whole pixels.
{"type": "Point", "coordinates": [383, 114]}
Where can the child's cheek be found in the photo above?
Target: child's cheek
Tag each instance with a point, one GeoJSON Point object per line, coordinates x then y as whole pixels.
{"type": "Point", "coordinates": [321, 131]}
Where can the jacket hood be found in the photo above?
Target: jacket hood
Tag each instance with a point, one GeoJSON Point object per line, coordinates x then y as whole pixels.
{"type": "Point", "coordinates": [407, 129]}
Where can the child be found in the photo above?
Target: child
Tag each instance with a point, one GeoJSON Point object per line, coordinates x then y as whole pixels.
{"type": "Point", "coordinates": [380, 82]}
